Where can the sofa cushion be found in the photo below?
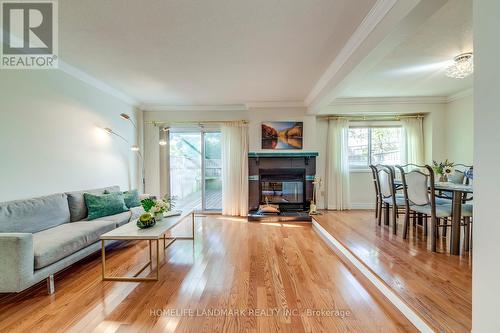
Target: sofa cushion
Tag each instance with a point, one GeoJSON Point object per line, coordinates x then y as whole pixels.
{"type": "Point", "coordinates": [35, 214]}
{"type": "Point", "coordinates": [57, 243]}
{"type": "Point", "coordinates": [136, 212]}
{"type": "Point", "coordinates": [104, 204]}
{"type": "Point", "coordinates": [76, 201]}
{"type": "Point", "coordinates": [132, 198]}
{"type": "Point", "coordinates": [119, 219]}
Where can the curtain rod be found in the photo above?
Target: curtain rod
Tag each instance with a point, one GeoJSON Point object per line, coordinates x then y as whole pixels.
{"type": "Point", "coordinates": [373, 118]}
{"type": "Point", "coordinates": [199, 123]}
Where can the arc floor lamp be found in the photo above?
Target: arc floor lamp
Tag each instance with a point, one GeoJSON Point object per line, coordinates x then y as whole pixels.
{"type": "Point", "coordinates": [134, 148]}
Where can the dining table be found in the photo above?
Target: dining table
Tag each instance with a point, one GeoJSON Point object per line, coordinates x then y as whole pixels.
{"type": "Point", "coordinates": [457, 191]}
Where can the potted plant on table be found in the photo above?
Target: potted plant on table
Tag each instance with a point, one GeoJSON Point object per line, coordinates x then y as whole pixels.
{"type": "Point", "coordinates": [443, 169]}
{"type": "Point", "coordinates": [145, 221]}
{"type": "Point", "coordinates": [158, 208]}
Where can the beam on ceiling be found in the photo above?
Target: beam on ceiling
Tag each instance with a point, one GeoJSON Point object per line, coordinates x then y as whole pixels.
{"type": "Point", "coordinates": [387, 25]}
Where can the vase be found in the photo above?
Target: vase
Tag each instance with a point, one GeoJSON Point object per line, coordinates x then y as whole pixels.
{"type": "Point", "coordinates": [158, 216]}
{"type": "Point", "coordinates": [469, 173]}
{"type": "Point", "coordinates": [443, 179]}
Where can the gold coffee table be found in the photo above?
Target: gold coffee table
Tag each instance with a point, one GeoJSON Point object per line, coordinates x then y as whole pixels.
{"type": "Point", "coordinates": [130, 231]}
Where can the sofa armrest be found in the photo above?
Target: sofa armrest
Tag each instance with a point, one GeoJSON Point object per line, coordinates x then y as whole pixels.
{"type": "Point", "coordinates": [16, 261]}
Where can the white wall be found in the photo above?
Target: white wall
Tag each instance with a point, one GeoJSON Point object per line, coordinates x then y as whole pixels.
{"type": "Point", "coordinates": [435, 135]}
{"type": "Point", "coordinates": [486, 254]}
{"type": "Point", "coordinates": [460, 130]}
{"type": "Point", "coordinates": [50, 139]}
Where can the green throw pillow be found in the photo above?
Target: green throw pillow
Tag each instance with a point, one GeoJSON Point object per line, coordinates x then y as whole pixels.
{"type": "Point", "coordinates": [132, 198]}
{"type": "Point", "coordinates": [104, 204]}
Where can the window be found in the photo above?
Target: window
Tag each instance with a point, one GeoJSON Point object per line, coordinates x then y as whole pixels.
{"type": "Point", "coordinates": [375, 145]}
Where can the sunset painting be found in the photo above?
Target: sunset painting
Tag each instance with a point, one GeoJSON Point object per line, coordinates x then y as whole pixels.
{"type": "Point", "coordinates": [282, 135]}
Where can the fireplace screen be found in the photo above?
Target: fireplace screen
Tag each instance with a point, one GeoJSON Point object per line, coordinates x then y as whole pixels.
{"type": "Point", "coordinates": [282, 191]}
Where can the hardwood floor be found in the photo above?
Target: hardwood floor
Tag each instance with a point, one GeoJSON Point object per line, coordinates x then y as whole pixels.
{"type": "Point", "coordinates": [438, 286]}
{"type": "Point", "coordinates": [233, 264]}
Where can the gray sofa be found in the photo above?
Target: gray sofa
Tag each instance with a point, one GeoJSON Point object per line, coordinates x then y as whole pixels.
{"type": "Point", "coordinates": [41, 236]}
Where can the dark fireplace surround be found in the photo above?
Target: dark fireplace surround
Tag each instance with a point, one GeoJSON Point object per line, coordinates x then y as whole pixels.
{"type": "Point", "coordinates": [284, 179]}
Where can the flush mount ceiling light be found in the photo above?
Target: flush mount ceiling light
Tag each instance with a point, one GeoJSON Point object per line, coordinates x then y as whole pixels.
{"type": "Point", "coordinates": [462, 67]}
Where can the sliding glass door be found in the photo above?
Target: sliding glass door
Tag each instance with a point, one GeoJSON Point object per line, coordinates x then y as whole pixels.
{"type": "Point", "coordinates": [213, 171]}
{"type": "Point", "coordinates": [195, 169]}
{"type": "Point", "coordinates": [185, 169]}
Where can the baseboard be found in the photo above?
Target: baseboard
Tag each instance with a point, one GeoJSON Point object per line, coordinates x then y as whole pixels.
{"type": "Point", "coordinates": [367, 206]}
{"type": "Point", "coordinates": [362, 206]}
{"type": "Point", "coordinates": [376, 281]}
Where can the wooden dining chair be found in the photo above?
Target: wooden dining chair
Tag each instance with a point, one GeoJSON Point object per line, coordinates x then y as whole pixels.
{"type": "Point", "coordinates": [419, 191]}
{"type": "Point", "coordinates": [459, 176]}
{"type": "Point", "coordinates": [467, 199]}
{"type": "Point", "coordinates": [378, 200]}
{"type": "Point", "coordinates": [390, 201]}
{"type": "Point", "coordinates": [417, 196]}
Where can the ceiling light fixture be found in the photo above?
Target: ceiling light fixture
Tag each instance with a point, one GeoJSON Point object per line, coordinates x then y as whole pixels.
{"type": "Point", "coordinates": [462, 66]}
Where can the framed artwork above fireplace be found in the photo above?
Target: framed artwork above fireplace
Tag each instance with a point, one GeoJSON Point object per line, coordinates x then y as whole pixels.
{"type": "Point", "coordinates": [282, 135]}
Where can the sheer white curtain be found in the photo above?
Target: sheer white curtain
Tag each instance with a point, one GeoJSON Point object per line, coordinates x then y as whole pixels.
{"type": "Point", "coordinates": [337, 165]}
{"type": "Point", "coordinates": [234, 169]}
{"type": "Point", "coordinates": [414, 137]}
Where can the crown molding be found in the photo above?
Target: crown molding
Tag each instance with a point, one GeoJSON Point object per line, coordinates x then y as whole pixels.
{"type": "Point", "coordinates": [390, 100]}
{"type": "Point", "coordinates": [94, 82]}
{"type": "Point", "coordinates": [222, 107]}
{"type": "Point", "coordinates": [371, 20]}
{"type": "Point", "coordinates": [281, 104]}
{"type": "Point", "coordinates": [460, 95]}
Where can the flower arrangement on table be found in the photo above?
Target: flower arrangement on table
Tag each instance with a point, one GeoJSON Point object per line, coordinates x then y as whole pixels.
{"type": "Point", "coordinates": [443, 169]}
{"type": "Point", "coordinates": [158, 207]}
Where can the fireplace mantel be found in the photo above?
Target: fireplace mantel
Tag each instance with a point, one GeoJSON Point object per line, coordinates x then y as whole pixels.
{"type": "Point", "coordinates": [282, 154]}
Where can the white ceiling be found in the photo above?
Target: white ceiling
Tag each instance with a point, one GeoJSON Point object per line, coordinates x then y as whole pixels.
{"type": "Point", "coordinates": [416, 66]}
{"type": "Point", "coordinates": [189, 52]}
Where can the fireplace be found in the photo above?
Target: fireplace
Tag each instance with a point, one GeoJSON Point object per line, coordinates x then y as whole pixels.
{"type": "Point", "coordinates": [283, 187]}
{"type": "Point", "coordinates": [283, 179]}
